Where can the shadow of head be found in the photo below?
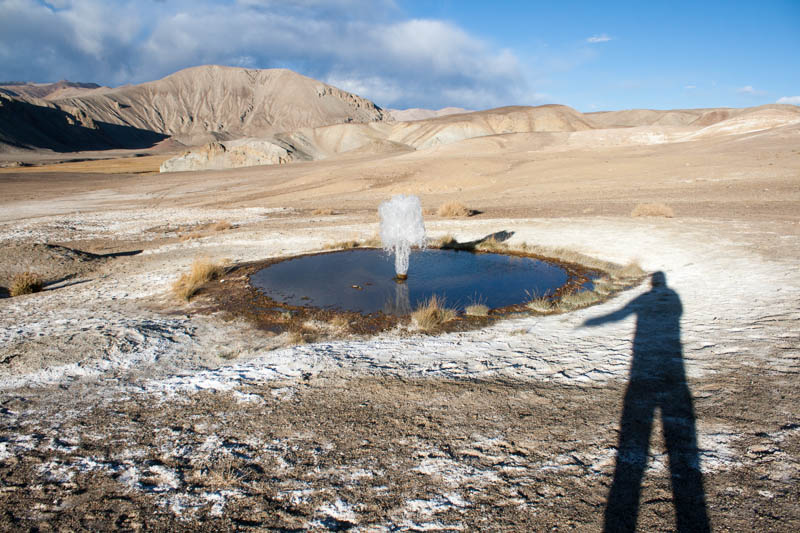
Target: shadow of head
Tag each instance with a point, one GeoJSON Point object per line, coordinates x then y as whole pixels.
{"type": "Point", "coordinates": [658, 279]}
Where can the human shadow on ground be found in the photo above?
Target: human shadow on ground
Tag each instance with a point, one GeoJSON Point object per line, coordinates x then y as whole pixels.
{"type": "Point", "coordinates": [657, 381]}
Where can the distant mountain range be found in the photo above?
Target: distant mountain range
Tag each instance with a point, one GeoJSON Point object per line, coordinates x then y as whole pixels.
{"type": "Point", "coordinates": [193, 106]}
{"type": "Point", "coordinates": [242, 117]}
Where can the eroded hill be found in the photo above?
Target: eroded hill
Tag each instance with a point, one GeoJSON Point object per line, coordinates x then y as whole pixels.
{"type": "Point", "coordinates": [193, 106]}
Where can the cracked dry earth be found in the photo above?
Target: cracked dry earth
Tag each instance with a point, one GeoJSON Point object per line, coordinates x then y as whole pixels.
{"type": "Point", "coordinates": [159, 417]}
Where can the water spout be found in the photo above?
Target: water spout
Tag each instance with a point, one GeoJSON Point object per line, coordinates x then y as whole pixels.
{"type": "Point", "coordinates": [401, 228]}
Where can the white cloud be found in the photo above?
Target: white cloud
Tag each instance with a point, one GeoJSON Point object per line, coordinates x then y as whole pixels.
{"type": "Point", "coordinates": [690, 86]}
{"type": "Point", "coordinates": [602, 38]}
{"type": "Point", "coordinates": [749, 89]}
{"type": "Point", "coordinates": [795, 100]}
{"type": "Point", "coordinates": [364, 45]}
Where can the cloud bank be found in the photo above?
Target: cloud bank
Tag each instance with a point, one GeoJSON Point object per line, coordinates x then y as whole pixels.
{"type": "Point", "coordinates": [602, 38]}
{"type": "Point", "coordinates": [794, 100]}
{"type": "Point", "coordinates": [749, 89]}
{"type": "Point", "coordinates": [364, 46]}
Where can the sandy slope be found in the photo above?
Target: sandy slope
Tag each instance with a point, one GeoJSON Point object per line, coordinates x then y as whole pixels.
{"type": "Point", "coordinates": [514, 424]}
{"type": "Point", "coordinates": [558, 128]}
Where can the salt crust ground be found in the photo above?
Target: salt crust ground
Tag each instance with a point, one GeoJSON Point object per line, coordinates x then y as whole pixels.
{"type": "Point", "coordinates": [740, 310]}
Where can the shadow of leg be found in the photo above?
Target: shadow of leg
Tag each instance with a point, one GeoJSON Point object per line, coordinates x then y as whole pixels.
{"type": "Point", "coordinates": [634, 442]}
{"type": "Point", "coordinates": [677, 414]}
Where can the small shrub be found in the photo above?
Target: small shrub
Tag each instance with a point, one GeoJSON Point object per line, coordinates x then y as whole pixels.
{"type": "Point", "coordinates": [323, 211]}
{"type": "Point", "coordinates": [652, 210]}
{"type": "Point", "coordinates": [477, 310]}
{"type": "Point", "coordinates": [26, 283]}
{"type": "Point", "coordinates": [203, 271]}
{"type": "Point", "coordinates": [432, 314]}
{"type": "Point", "coordinates": [453, 209]}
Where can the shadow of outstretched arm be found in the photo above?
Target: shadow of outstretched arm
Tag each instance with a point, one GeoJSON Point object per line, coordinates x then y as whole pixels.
{"type": "Point", "coordinates": [615, 316]}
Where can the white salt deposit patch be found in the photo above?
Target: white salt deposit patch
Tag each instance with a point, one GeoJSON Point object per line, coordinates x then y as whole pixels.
{"type": "Point", "coordinates": [339, 510]}
{"type": "Point", "coordinates": [732, 301]}
{"type": "Point", "coordinates": [454, 473]}
{"type": "Point", "coordinates": [125, 224]}
{"type": "Point", "coordinates": [296, 496]}
{"type": "Point", "coordinates": [4, 452]}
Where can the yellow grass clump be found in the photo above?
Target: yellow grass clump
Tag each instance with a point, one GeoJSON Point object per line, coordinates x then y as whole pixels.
{"type": "Point", "coordinates": [448, 241]}
{"type": "Point", "coordinates": [477, 310]}
{"type": "Point", "coordinates": [453, 209]}
{"type": "Point", "coordinates": [304, 334]}
{"type": "Point", "coordinates": [540, 304]}
{"type": "Point", "coordinates": [629, 272]}
{"type": "Point", "coordinates": [652, 210]}
{"type": "Point", "coordinates": [492, 245]}
{"type": "Point", "coordinates": [26, 283]}
{"type": "Point", "coordinates": [432, 314]}
{"type": "Point", "coordinates": [323, 211]}
{"type": "Point", "coordinates": [577, 300]}
{"type": "Point", "coordinates": [203, 271]}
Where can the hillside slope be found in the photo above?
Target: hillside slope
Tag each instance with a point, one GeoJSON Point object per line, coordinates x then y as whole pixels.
{"type": "Point", "coordinates": [226, 102]}
{"type": "Point", "coordinates": [194, 106]}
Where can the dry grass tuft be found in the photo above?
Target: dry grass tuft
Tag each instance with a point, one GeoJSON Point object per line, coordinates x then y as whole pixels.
{"type": "Point", "coordinates": [605, 286]}
{"type": "Point", "coordinates": [432, 314]}
{"type": "Point", "coordinates": [372, 242]}
{"type": "Point", "coordinates": [221, 475]}
{"type": "Point", "coordinates": [323, 211]}
{"type": "Point", "coordinates": [222, 225]}
{"type": "Point", "coordinates": [204, 230]}
{"type": "Point", "coordinates": [190, 236]}
{"type": "Point", "coordinates": [630, 272]}
{"type": "Point", "coordinates": [303, 334]}
{"type": "Point", "coordinates": [492, 245]}
{"type": "Point", "coordinates": [539, 304]}
{"type": "Point", "coordinates": [26, 283]}
{"type": "Point", "coordinates": [448, 241]}
{"type": "Point", "coordinates": [477, 310]}
{"type": "Point", "coordinates": [577, 300]}
{"type": "Point", "coordinates": [652, 210]}
{"type": "Point", "coordinates": [453, 209]}
{"type": "Point", "coordinates": [340, 323]}
{"type": "Point", "coordinates": [203, 271]}
{"type": "Point", "coordinates": [342, 245]}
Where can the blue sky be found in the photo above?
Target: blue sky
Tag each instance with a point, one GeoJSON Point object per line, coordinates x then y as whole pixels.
{"type": "Point", "coordinates": [474, 54]}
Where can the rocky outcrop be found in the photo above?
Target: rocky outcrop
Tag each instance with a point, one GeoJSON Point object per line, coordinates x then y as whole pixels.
{"type": "Point", "coordinates": [232, 154]}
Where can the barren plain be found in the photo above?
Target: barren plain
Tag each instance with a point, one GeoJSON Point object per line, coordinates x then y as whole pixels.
{"type": "Point", "coordinates": [123, 407]}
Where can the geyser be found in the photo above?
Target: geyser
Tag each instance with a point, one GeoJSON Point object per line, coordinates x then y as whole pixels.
{"type": "Point", "coordinates": [401, 228]}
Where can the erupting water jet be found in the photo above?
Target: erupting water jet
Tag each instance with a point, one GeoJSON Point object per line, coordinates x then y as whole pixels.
{"type": "Point", "coordinates": [401, 228]}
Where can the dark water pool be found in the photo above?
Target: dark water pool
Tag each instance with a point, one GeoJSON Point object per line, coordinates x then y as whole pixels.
{"type": "Point", "coordinates": [363, 280]}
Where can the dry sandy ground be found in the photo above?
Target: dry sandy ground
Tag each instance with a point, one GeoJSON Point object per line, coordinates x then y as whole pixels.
{"type": "Point", "coordinates": [125, 409]}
